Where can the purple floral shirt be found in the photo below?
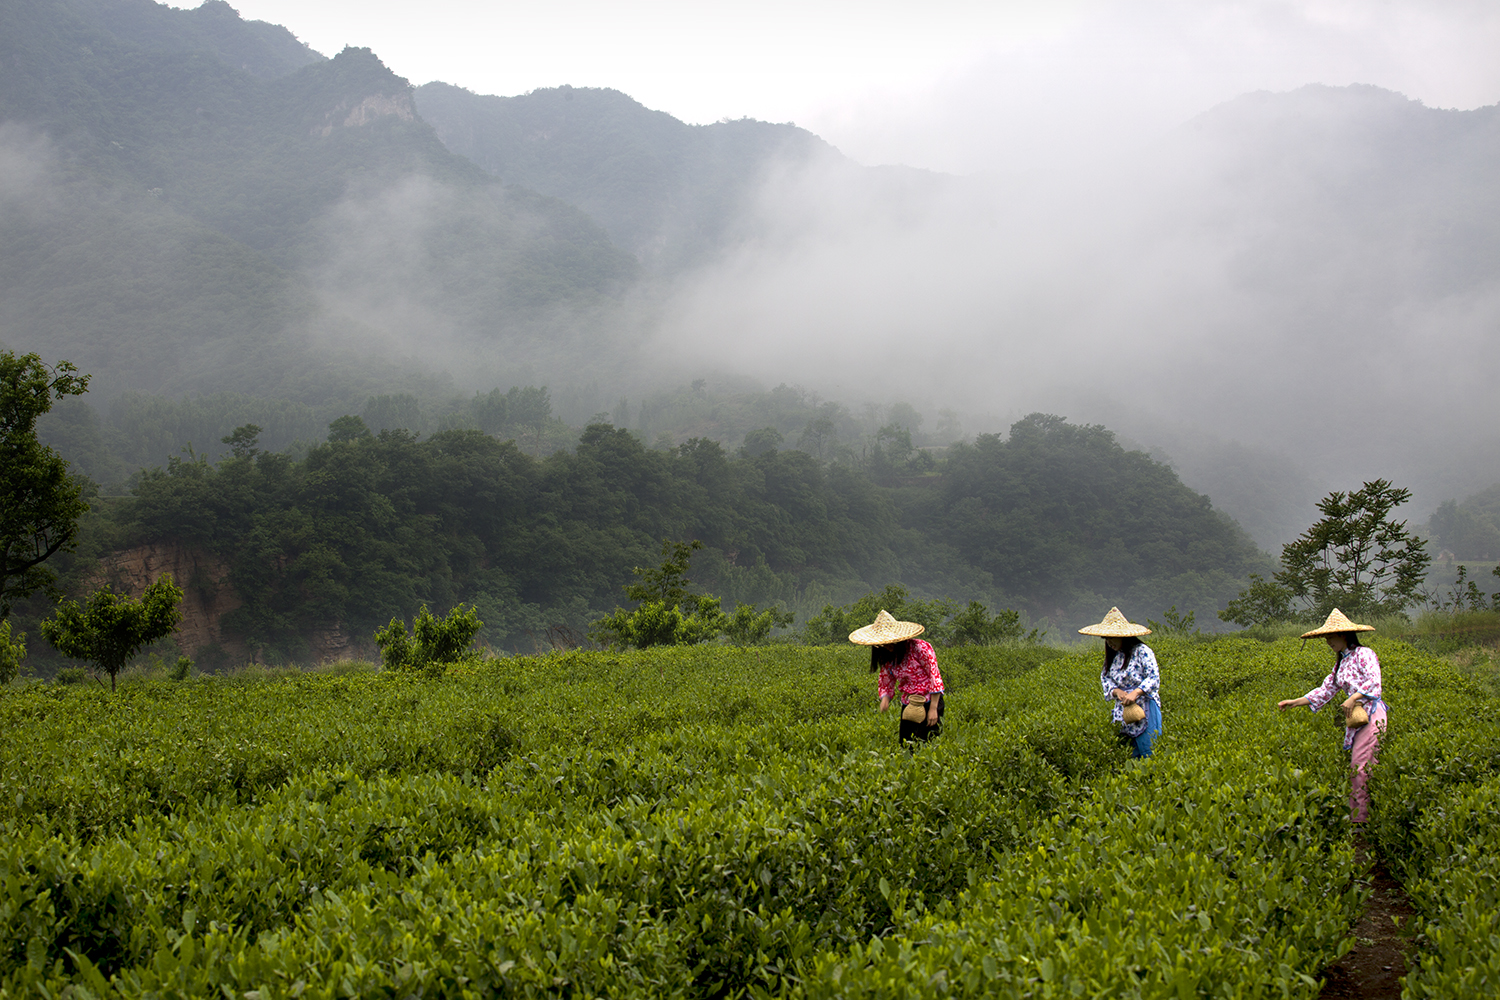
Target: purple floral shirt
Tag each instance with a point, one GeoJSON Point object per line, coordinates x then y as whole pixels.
{"type": "Point", "coordinates": [1139, 672]}
{"type": "Point", "coordinates": [1357, 672]}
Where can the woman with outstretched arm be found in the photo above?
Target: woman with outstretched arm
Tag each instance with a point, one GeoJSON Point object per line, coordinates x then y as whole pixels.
{"type": "Point", "coordinates": [1356, 674]}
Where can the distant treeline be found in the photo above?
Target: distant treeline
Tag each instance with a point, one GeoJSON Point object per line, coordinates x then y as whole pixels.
{"type": "Point", "coordinates": [1057, 520]}
{"type": "Point", "coordinates": [1469, 530]}
{"type": "Point", "coordinates": [141, 430]}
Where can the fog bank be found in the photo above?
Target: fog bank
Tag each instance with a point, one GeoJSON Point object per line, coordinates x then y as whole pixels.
{"type": "Point", "coordinates": [1310, 274]}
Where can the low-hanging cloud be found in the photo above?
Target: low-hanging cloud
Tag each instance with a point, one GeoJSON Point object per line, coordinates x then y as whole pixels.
{"type": "Point", "coordinates": [1309, 273]}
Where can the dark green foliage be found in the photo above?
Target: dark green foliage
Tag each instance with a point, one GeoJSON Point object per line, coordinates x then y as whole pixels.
{"type": "Point", "coordinates": [761, 441]}
{"type": "Point", "coordinates": [232, 209]}
{"type": "Point", "coordinates": [1060, 514]}
{"type": "Point", "coordinates": [368, 527]}
{"type": "Point", "coordinates": [834, 624]}
{"type": "Point", "coordinates": [1356, 558]}
{"type": "Point", "coordinates": [243, 441]}
{"type": "Point", "coordinates": [1174, 622]}
{"type": "Point", "coordinates": [946, 624]}
{"type": "Point", "coordinates": [40, 500]}
{"type": "Point", "coordinates": [973, 626]}
{"type": "Point", "coordinates": [657, 624]}
{"type": "Point", "coordinates": [667, 583]}
{"type": "Point", "coordinates": [667, 614]}
{"type": "Point", "coordinates": [669, 192]}
{"type": "Point", "coordinates": [1470, 530]}
{"type": "Point", "coordinates": [750, 626]}
{"type": "Point", "coordinates": [1263, 602]}
{"type": "Point", "coordinates": [432, 646]}
{"type": "Point", "coordinates": [1465, 595]}
{"type": "Point", "coordinates": [111, 628]}
{"type": "Point", "coordinates": [12, 652]}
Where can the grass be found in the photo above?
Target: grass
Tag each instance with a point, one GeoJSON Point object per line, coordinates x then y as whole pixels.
{"type": "Point", "coordinates": [1480, 664]}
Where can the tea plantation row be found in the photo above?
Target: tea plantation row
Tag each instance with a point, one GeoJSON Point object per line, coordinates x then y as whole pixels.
{"type": "Point", "coordinates": [714, 822]}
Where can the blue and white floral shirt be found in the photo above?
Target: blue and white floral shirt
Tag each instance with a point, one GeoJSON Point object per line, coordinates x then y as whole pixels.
{"type": "Point", "coordinates": [1139, 672]}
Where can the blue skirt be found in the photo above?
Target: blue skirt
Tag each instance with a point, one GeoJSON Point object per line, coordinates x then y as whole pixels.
{"type": "Point", "coordinates": [1142, 745]}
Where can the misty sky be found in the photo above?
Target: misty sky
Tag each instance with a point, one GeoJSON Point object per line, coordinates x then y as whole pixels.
{"type": "Point", "coordinates": [947, 85]}
{"type": "Point", "coordinates": [1105, 265]}
{"type": "Point", "coordinates": [1310, 276]}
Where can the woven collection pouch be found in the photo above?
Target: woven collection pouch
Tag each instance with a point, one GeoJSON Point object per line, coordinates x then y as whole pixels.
{"type": "Point", "coordinates": [1132, 712]}
{"type": "Point", "coordinates": [914, 711]}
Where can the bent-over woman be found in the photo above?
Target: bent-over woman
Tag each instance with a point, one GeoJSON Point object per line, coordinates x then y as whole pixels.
{"type": "Point", "coordinates": [1356, 673]}
{"type": "Point", "coordinates": [907, 669]}
{"type": "Point", "coordinates": [1131, 680]}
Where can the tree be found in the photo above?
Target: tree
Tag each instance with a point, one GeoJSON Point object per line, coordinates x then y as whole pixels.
{"type": "Point", "coordinates": [1262, 602]}
{"type": "Point", "coordinates": [667, 583]}
{"type": "Point", "coordinates": [945, 622]}
{"type": "Point", "coordinates": [973, 626]}
{"type": "Point", "coordinates": [432, 645]}
{"type": "Point", "coordinates": [1356, 558]}
{"type": "Point", "coordinates": [12, 652]}
{"type": "Point", "coordinates": [40, 501]}
{"type": "Point", "coordinates": [1469, 530]}
{"type": "Point", "coordinates": [833, 624]}
{"type": "Point", "coordinates": [767, 439]}
{"type": "Point", "coordinates": [348, 428]}
{"type": "Point", "coordinates": [242, 443]}
{"type": "Point", "coordinates": [749, 626]}
{"type": "Point", "coordinates": [658, 624]}
{"type": "Point", "coordinates": [1175, 622]}
{"type": "Point", "coordinates": [667, 614]}
{"type": "Point", "coordinates": [112, 628]}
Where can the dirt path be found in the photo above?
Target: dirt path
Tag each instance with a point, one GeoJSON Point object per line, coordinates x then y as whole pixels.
{"type": "Point", "coordinates": [1373, 970]}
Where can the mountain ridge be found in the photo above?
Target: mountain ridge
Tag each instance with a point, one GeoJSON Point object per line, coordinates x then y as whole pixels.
{"type": "Point", "coordinates": [667, 191]}
{"type": "Point", "coordinates": [287, 199]}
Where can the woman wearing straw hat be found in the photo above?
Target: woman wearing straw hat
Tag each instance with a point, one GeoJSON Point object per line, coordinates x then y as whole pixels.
{"type": "Point", "coordinates": [908, 668]}
{"type": "Point", "coordinates": [1356, 673]}
{"type": "Point", "coordinates": [1131, 680]}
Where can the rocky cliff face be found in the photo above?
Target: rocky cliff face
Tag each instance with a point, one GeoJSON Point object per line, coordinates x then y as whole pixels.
{"type": "Point", "coordinates": [207, 596]}
{"type": "Point", "coordinates": [207, 592]}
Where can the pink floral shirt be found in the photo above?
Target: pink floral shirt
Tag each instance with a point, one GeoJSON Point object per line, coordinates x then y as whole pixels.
{"type": "Point", "coordinates": [1357, 672]}
{"type": "Point", "coordinates": [916, 674]}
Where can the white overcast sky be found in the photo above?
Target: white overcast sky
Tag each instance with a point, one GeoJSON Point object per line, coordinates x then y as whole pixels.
{"type": "Point", "coordinates": [943, 84]}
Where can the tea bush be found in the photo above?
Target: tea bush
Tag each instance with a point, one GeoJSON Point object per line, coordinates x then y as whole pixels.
{"type": "Point", "coordinates": [1437, 820]}
{"type": "Point", "coordinates": [693, 821]}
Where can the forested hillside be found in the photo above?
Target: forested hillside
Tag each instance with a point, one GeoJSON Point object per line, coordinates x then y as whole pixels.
{"type": "Point", "coordinates": [173, 222]}
{"type": "Point", "coordinates": [667, 191]}
{"type": "Point", "coordinates": [1056, 520]}
{"type": "Point", "coordinates": [1469, 530]}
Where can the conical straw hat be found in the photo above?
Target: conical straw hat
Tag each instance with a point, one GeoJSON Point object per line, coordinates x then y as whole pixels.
{"type": "Point", "coordinates": [1115, 624]}
{"type": "Point", "coordinates": [885, 629]}
{"type": "Point", "coordinates": [1337, 622]}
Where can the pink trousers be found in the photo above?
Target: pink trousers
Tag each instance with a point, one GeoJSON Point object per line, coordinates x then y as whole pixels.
{"type": "Point", "coordinates": [1363, 753]}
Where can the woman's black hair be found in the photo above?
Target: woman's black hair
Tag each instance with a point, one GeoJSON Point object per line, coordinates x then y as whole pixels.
{"type": "Point", "coordinates": [1127, 646]}
{"type": "Point", "coordinates": [891, 652]}
{"type": "Point", "coordinates": [1351, 640]}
